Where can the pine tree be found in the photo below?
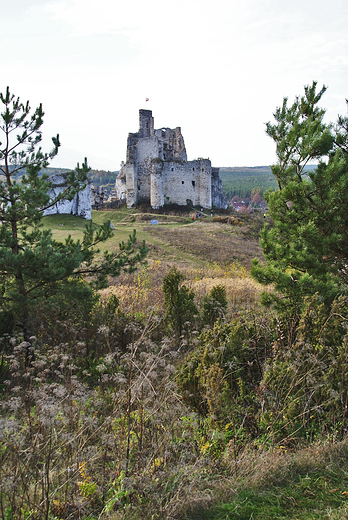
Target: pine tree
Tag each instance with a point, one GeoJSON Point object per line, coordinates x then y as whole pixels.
{"type": "Point", "coordinates": [178, 300]}
{"type": "Point", "coordinates": [32, 264]}
{"type": "Point", "coordinates": [305, 246]}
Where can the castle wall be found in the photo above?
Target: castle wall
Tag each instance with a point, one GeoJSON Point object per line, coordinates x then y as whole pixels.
{"type": "Point", "coordinates": [157, 189]}
{"type": "Point", "coordinates": [205, 184]}
{"type": "Point", "coordinates": [121, 183]}
{"type": "Point", "coordinates": [131, 184]}
{"type": "Point", "coordinates": [217, 196]}
{"type": "Point", "coordinates": [146, 123]}
{"type": "Point", "coordinates": [179, 145]}
{"type": "Point", "coordinates": [147, 149]}
{"type": "Point", "coordinates": [171, 144]}
{"type": "Point", "coordinates": [188, 181]}
{"type": "Point", "coordinates": [132, 147]}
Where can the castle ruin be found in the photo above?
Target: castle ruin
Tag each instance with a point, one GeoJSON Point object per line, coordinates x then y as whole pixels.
{"type": "Point", "coordinates": [157, 170]}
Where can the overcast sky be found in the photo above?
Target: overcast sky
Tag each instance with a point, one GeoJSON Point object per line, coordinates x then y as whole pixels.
{"type": "Point", "coordinates": [218, 69]}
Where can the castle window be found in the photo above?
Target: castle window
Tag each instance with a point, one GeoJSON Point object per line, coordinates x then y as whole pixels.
{"type": "Point", "coordinates": [193, 183]}
{"type": "Point", "coordinates": [182, 182]}
{"type": "Point", "coordinates": [193, 169]}
{"type": "Point", "coordinates": [172, 169]}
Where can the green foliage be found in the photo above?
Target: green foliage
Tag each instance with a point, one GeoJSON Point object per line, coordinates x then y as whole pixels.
{"type": "Point", "coordinates": [306, 497]}
{"type": "Point", "coordinates": [26, 252]}
{"type": "Point", "coordinates": [309, 484]}
{"type": "Point", "coordinates": [219, 378]}
{"type": "Point", "coordinates": [178, 300]}
{"type": "Point", "coordinates": [305, 248]}
{"type": "Point", "coordinates": [304, 389]}
{"type": "Point", "coordinates": [102, 178]}
{"type": "Point", "coordinates": [92, 443]}
{"type": "Point", "coordinates": [241, 182]}
{"type": "Point", "coordinates": [117, 493]}
{"type": "Point", "coordinates": [300, 135]}
{"type": "Point", "coordinates": [33, 266]}
{"type": "Point", "coordinates": [214, 305]}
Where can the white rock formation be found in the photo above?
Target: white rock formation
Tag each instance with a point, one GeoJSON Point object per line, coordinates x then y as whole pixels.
{"type": "Point", "coordinates": [80, 205]}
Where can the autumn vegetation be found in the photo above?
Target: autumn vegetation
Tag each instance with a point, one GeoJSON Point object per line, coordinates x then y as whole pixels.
{"type": "Point", "coordinates": [182, 370]}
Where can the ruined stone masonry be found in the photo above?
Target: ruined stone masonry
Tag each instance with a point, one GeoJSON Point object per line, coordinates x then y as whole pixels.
{"type": "Point", "coordinates": [157, 170]}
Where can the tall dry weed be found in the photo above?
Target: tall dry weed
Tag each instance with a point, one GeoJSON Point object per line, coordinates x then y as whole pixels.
{"type": "Point", "coordinates": [143, 290]}
{"type": "Point", "coordinates": [77, 443]}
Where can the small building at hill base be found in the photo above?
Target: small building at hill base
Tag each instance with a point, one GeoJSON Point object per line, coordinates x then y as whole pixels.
{"type": "Point", "coordinates": [157, 170]}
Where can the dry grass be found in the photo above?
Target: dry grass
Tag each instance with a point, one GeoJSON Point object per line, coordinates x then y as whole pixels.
{"type": "Point", "coordinates": [238, 290]}
{"type": "Point", "coordinates": [213, 242]}
{"type": "Point", "coordinates": [223, 240]}
{"type": "Point", "coordinates": [309, 483]}
{"type": "Point", "coordinates": [142, 290]}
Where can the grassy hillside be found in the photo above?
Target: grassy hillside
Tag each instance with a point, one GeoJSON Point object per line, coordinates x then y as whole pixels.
{"type": "Point", "coordinates": [176, 237]}
{"type": "Point", "coordinates": [122, 418]}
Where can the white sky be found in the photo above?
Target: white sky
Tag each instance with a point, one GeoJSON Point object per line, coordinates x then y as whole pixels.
{"type": "Point", "coordinates": [216, 68]}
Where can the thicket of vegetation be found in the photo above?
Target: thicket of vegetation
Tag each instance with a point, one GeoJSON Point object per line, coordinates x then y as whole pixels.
{"type": "Point", "coordinates": [161, 394]}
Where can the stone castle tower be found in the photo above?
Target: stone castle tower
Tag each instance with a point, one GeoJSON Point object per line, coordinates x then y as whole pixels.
{"type": "Point", "coordinates": [157, 170]}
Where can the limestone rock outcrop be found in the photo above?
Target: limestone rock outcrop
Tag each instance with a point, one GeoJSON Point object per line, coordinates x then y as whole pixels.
{"type": "Point", "coordinates": [80, 205]}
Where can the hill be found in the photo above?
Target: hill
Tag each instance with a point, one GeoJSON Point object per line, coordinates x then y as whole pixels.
{"type": "Point", "coordinates": [240, 181]}
{"type": "Point", "coordinates": [179, 237]}
{"type": "Point", "coordinates": [121, 417]}
{"type": "Point", "coordinates": [98, 177]}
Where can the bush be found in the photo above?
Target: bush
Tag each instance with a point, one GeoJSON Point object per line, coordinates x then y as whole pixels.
{"type": "Point", "coordinates": [181, 310]}
{"type": "Point", "coordinates": [214, 305]}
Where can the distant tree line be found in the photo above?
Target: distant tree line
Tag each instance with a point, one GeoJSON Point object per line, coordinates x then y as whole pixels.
{"type": "Point", "coordinates": [102, 177]}
{"type": "Point", "coordinates": [236, 181]}
{"type": "Point", "coordinates": [242, 181]}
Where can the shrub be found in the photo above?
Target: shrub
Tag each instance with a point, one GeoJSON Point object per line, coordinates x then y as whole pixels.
{"type": "Point", "coordinates": [179, 301]}
{"type": "Point", "coordinates": [214, 305]}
